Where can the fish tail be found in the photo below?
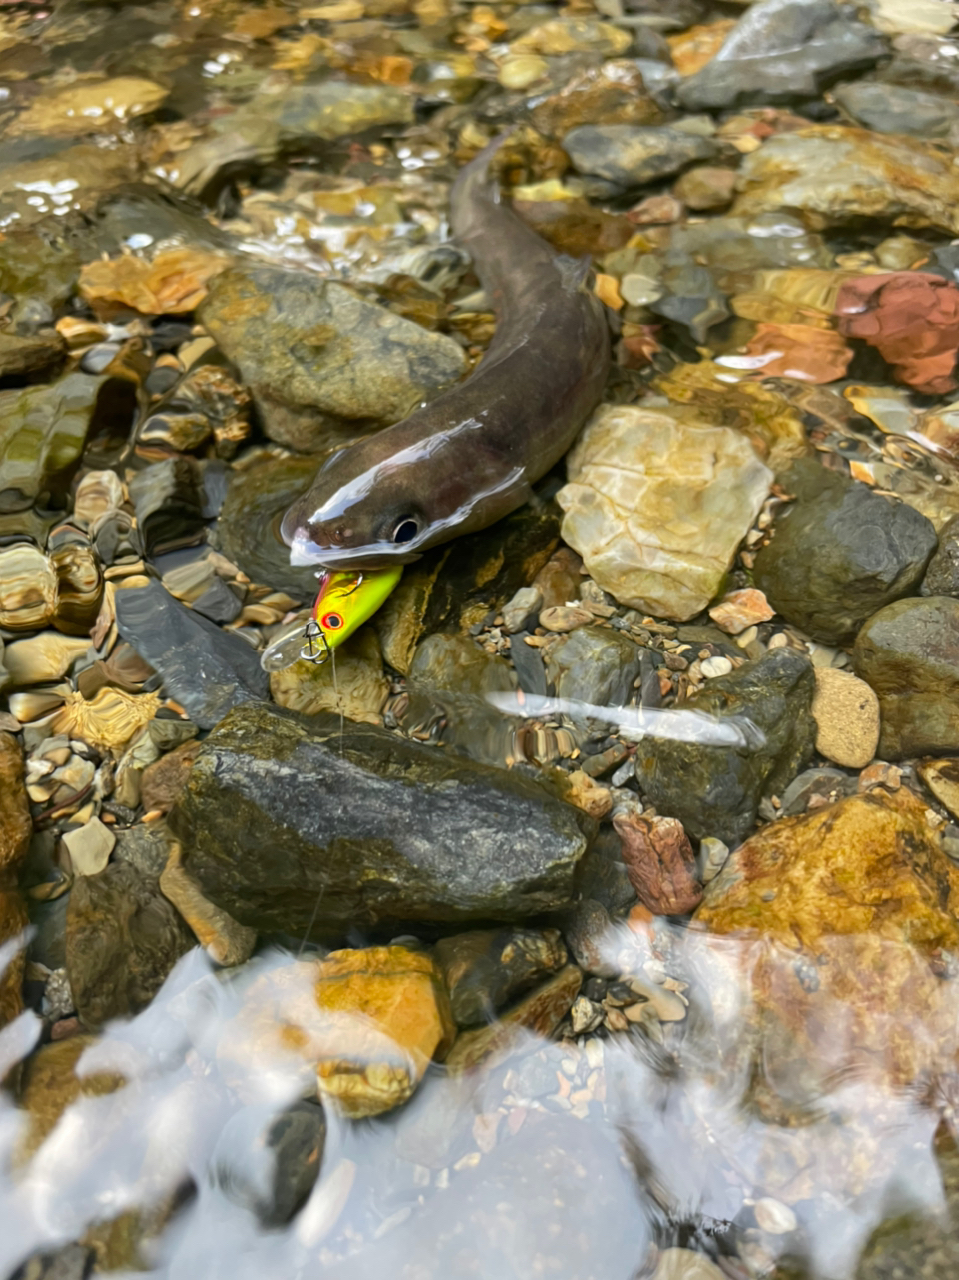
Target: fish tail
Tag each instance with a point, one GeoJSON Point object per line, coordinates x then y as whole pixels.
{"type": "Point", "coordinates": [474, 187]}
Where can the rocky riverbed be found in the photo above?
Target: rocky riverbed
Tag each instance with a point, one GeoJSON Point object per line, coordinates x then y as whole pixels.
{"type": "Point", "coordinates": [346, 969]}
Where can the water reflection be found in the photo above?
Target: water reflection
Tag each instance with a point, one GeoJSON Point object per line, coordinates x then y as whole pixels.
{"type": "Point", "coordinates": [754, 1128]}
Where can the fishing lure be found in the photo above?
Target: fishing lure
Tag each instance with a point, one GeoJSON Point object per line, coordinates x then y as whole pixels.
{"type": "Point", "coordinates": [345, 600]}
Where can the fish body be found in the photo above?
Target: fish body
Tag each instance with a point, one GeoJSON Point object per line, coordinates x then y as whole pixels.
{"type": "Point", "coordinates": [470, 456]}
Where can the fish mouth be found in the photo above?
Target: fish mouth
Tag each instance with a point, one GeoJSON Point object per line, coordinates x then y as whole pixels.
{"type": "Point", "coordinates": [375, 555]}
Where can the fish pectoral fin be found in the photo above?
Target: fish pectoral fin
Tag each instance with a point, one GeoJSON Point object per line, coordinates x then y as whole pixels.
{"type": "Point", "coordinates": [574, 272]}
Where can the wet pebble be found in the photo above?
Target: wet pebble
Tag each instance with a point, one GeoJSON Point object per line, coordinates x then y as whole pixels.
{"type": "Point", "coordinates": [631, 155]}
{"type": "Point", "coordinates": [846, 712]}
{"type": "Point", "coordinates": [908, 653]}
{"type": "Point", "coordinates": [840, 554]}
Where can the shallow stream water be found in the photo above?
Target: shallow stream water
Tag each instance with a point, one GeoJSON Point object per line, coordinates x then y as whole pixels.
{"type": "Point", "coordinates": [593, 911]}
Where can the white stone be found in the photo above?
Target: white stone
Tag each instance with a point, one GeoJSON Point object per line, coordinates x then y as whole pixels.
{"type": "Point", "coordinates": [922, 17]}
{"type": "Point", "coordinates": [90, 847]}
{"type": "Point", "coordinates": [712, 857]}
{"type": "Point", "coordinates": [774, 1216]}
{"type": "Point", "coordinates": [657, 507]}
{"type": "Point", "coordinates": [719, 665]}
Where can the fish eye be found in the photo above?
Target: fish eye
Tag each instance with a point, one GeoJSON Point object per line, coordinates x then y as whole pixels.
{"type": "Point", "coordinates": [331, 621]}
{"type": "Point", "coordinates": [405, 529]}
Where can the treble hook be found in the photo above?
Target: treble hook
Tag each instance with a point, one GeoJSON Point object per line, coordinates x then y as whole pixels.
{"type": "Point", "coordinates": [316, 649]}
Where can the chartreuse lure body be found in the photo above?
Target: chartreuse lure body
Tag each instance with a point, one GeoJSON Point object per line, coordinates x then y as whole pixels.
{"type": "Point", "coordinates": [344, 601]}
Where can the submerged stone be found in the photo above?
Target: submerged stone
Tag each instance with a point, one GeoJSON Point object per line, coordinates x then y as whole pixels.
{"type": "Point", "coordinates": [292, 825]}
{"type": "Point", "coordinates": [839, 554]}
{"type": "Point", "coordinates": [942, 573]}
{"type": "Point", "coordinates": [42, 433]}
{"type": "Point", "coordinates": [595, 665]}
{"type": "Point", "coordinates": [486, 968]}
{"type": "Point", "coordinates": [123, 938]}
{"type": "Point", "coordinates": [351, 683]}
{"type": "Point", "coordinates": [909, 654]}
{"type": "Point", "coordinates": [322, 363]}
{"type": "Point", "coordinates": [208, 670]}
{"type": "Point", "coordinates": [781, 50]}
{"type": "Point", "coordinates": [657, 507]}
{"type": "Point", "coordinates": [631, 156]}
{"type": "Point", "coordinates": [853, 890]}
{"type": "Point", "coordinates": [836, 174]}
{"type": "Point", "coordinates": [892, 108]}
{"type": "Point", "coordinates": [248, 528]}
{"type": "Point", "coordinates": [716, 790]}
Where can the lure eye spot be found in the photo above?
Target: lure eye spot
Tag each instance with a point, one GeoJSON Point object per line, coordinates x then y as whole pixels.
{"type": "Point", "coordinates": [331, 621]}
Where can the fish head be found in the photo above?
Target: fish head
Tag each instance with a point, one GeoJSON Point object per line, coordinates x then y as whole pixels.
{"type": "Point", "coordinates": [359, 515]}
{"type": "Point", "coordinates": [344, 601]}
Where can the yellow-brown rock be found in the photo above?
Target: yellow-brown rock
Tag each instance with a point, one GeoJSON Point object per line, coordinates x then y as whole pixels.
{"type": "Point", "coordinates": [855, 904]}
{"type": "Point", "coordinates": [13, 921]}
{"type": "Point", "coordinates": [401, 994]}
{"type": "Point", "coordinates": [15, 831]}
{"type": "Point", "coordinates": [352, 683]}
{"type": "Point", "coordinates": [359, 1027]}
{"type": "Point", "coordinates": [15, 825]}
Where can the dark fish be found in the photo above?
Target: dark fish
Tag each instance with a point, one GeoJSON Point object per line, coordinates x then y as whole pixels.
{"type": "Point", "coordinates": [472, 455]}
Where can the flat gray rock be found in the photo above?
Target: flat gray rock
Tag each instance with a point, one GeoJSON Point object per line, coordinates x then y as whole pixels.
{"type": "Point", "coordinates": [206, 669]}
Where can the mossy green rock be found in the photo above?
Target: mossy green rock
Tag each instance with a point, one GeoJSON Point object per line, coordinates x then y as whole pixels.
{"type": "Point", "coordinates": [311, 826]}
{"type": "Point", "coordinates": [716, 790]}
{"type": "Point", "coordinates": [909, 654]}
{"type": "Point", "coordinates": [839, 555]}
{"type": "Point", "coordinates": [322, 363]}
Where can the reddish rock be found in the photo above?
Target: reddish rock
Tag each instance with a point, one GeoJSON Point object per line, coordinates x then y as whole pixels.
{"type": "Point", "coordinates": [660, 862]}
{"type": "Point", "coordinates": [800, 351]}
{"type": "Point", "coordinates": [912, 319]}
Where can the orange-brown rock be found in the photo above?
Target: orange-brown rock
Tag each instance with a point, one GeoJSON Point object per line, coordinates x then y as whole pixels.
{"type": "Point", "coordinates": [912, 319]}
{"type": "Point", "coordinates": [660, 863]}
{"type": "Point", "coordinates": [855, 907]}
{"type": "Point", "coordinates": [741, 609]}
{"type": "Point", "coordinates": [361, 1025]}
{"type": "Point", "coordinates": [401, 994]}
{"type": "Point", "coordinates": [800, 351]}
{"type": "Point", "coordinates": [173, 283]}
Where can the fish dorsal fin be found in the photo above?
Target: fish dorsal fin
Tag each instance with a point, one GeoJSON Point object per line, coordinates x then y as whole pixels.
{"type": "Point", "coordinates": [573, 272]}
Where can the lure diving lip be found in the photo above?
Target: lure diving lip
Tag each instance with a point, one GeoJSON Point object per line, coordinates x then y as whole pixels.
{"type": "Point", "coordinates": [344, 601]}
